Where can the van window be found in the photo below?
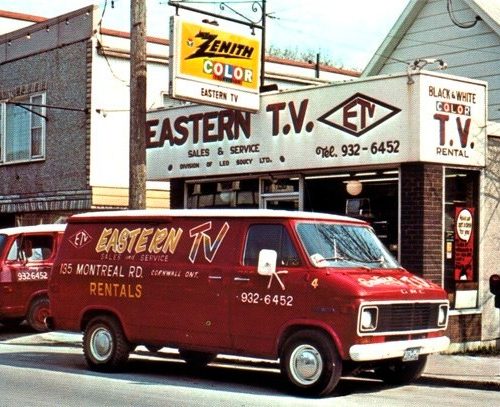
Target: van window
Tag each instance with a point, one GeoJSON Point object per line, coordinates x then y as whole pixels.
{"type": "Point", "coordinates": [31, 248]}
{"type": "Point", "coordinates": [344, 246]}
{"type": "Point", "coordinates": [273, 237]}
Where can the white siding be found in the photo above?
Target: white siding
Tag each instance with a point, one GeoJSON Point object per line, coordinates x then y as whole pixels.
{"type": "Point", "coordinates": [472, 52]}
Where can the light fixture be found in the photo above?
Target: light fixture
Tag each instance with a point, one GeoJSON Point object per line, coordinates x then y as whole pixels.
{"type": "Point", "coordinates": [28, 36]}
{"type": "Point", "coordinates": [354, 187]}
{"type": "Point", "coordinates": [416, 65]}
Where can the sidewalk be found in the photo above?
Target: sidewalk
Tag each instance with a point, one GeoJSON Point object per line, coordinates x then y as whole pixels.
{"type": "Point", "coordinates": [463, 371]}
{"type": "Point", "coordinates": [476, 372]}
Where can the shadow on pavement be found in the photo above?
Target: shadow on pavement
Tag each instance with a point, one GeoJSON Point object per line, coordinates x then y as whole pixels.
{"type": "Point", "coordinates": [146, 368]}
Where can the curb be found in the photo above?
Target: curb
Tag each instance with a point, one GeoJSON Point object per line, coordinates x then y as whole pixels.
{"type": "Point", "coordinates": [459, 383]}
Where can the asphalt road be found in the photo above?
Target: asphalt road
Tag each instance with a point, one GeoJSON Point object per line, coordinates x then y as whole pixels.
{"type": "Point", "coordinates": [36, 373]}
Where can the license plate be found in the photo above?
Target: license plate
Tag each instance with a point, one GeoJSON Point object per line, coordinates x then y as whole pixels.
{"type": "Point", "coordinates": [411, 354]}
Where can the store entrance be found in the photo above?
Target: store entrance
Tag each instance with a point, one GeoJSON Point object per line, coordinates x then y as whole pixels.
{"type": "Point", "coordinates": [281, 193]}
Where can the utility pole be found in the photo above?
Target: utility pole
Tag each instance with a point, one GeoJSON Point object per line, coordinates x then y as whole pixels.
{"type": "Point", "coordinates": [137, 154]}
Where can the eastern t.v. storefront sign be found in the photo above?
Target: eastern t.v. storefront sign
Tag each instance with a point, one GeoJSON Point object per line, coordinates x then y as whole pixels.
{"type": "Point", "coordinates": [381, 120]}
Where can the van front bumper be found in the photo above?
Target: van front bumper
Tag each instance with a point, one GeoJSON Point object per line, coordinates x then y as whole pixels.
{"type": "Point", "coordinates": [396, 349]}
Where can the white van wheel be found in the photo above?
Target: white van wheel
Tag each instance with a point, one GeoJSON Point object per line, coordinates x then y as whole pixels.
{"type": "Point", "coordinates": [104, 344]}
{"type": "Point", "coordinates": [310, 363]}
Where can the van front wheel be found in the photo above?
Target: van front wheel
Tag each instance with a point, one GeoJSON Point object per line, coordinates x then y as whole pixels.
{"type": "Point", "coordinates": [310, 363]}
{"type": "Point", "coordinates": [104, 344]}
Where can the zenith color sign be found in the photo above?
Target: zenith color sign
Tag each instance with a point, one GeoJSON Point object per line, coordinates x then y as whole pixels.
{"type": "Point", "coordinates": [214, 67]}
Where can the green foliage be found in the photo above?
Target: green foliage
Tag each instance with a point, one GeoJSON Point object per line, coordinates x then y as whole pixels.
{"type": "Point", "coordinates": [307, 56]}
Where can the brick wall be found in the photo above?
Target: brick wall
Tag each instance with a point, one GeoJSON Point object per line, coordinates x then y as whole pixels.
{"type": "Point", "coordinates": [63, 176]}
{"type": "Point", "coordinates": [421, 219]}
{"type": "Point", "coordinates": [464, 328]}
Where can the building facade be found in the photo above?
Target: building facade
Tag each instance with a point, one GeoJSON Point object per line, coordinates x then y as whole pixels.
{"type": "Point", "coordinates": [389, 149]}
{"type": "Point", "coordinates": [64, 113]}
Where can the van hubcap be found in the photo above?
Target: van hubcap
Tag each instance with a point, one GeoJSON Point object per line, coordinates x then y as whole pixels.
{"type": "Point", "coordinates": [306, 364]}
{"type": "Point", "coordinates": [102, 344]}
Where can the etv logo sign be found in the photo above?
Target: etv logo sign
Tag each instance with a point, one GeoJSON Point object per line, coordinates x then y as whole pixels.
{"type": "Point", "coordinates": [80, 239]}
{"type": "Point", "coordinates": [358, 114]}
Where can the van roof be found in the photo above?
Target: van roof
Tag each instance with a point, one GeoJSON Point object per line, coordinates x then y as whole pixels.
{"type": "Point", "coordinates": [52, 227]}
{"type": "Point", "coordinates": [154, 214]}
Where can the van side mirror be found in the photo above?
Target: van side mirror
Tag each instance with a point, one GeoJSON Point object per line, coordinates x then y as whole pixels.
{"type": "Point", "coordinates": [267, 262]}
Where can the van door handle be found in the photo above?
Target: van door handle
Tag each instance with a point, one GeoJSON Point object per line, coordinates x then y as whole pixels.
{"type": "Point", "coordinates": [242, 279]}
{"type": "Point", "coordinates": [215, 277]}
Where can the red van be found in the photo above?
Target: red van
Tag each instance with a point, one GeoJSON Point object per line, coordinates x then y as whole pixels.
{"type": "Point", "coordinates": [26, 257]}
{"type": "Point", "coordinates": [318, 292]}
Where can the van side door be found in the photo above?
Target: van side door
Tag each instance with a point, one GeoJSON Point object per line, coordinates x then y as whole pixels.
{"type": "Point", "coordinates": [261, 305]}
{"type": "Point", "coordinates": [188, 291]}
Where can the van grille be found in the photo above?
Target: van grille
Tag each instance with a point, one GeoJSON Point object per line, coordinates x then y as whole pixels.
{"type": "Point", "coordinates": [407, 317]}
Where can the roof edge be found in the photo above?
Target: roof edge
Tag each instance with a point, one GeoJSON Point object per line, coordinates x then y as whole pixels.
{"type": "Point", "coordinates": [478, 7]}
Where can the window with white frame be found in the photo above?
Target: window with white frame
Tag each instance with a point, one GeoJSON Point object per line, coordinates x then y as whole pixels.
{"type": "Point", "coordinates": [22, 129]}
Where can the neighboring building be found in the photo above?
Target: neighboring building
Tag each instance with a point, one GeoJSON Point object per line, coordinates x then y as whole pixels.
{"type": "Point", "coordinates": [465, 34]}
{"type": "Point", "coordinates": [64, 113]}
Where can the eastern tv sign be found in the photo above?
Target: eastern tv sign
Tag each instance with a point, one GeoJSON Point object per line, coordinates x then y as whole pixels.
{"type": "Point", "coordinates": [214, 67]}
{"type": "Point", "coordinates": [375, 121]}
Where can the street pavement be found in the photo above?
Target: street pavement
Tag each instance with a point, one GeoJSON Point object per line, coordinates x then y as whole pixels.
{"type": "Point", "coordinates": [479, 372]}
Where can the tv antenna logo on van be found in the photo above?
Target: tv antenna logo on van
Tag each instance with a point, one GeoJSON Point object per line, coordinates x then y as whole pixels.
{"type": "Point", "coordinates": [358, 114]}
{"type": "Point", "coordinates": [80, 239]}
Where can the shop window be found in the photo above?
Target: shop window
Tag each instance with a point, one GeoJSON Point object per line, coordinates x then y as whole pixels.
{"type": "Point", "coordinates": [22, 129]}
{"type": "Point", "coordinates": [461, 237]}
{"type": "Point", "coordinates": [223, 194]}
{"type": "Point", "coordinates": [375, 201]}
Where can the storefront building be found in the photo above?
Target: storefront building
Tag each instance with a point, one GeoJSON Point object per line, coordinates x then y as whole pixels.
{"type": "Point", "coordinates": [404, 152]}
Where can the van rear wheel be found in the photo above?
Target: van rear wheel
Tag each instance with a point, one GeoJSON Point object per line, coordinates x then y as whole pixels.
{"type": "Point", "coordinates": [38, 311]}
{"type": "Point", "coordinates": [104, 344]}
{"type": "Point", "coordinates": [310, 363]}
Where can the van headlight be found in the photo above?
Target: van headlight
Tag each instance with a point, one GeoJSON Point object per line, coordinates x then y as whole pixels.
{"type": "Point", "coordinates": [368, 319]}
{"type": "Point", "coordinates": [442, 315]}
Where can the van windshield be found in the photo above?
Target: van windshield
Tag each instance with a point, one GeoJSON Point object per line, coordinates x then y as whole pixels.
{"type": "Point", "coordinates": [336, 245]}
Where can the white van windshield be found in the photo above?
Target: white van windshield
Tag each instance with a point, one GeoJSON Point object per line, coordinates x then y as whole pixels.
{"type": "Point", "coordinates": [334, 245]}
